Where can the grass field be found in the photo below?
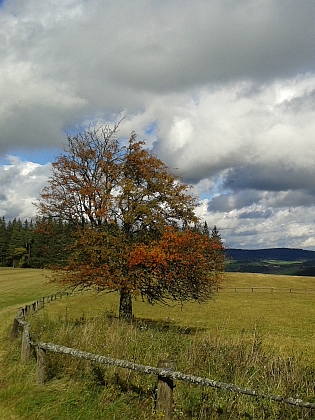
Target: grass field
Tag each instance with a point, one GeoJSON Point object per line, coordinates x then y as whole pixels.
{"type": "Point", "coordinates": [20, 286]}
{"type": "Point", "coordinates": [284, 320]}
{"type": "Point", "coordinates": [17, 287]}
{"type": "Point", "coordinates": [282, 323]}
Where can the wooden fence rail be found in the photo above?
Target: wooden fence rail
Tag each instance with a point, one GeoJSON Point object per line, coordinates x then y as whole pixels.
{"type": "Point", "coordinates": [266, 289]}
{"type": "Point", "coordinates": [165, 371]}
{"type": "Point", "coordinates": [168, 373]}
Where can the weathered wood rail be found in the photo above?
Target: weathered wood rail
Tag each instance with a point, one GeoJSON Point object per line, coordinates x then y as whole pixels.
{"type": "Point", "coordinates": [165, 371]}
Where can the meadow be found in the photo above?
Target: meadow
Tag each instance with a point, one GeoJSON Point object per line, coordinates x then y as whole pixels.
{"type": "Point", "coordinates": [258, 339]}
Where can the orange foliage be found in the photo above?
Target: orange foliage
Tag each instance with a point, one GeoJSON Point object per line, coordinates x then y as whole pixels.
{"type": "Point", "coordinates": [186, 258]}
{"type": "Point", "coordinates": [130, 209]}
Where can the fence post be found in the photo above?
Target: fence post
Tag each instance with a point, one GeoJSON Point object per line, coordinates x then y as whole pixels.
{"type": "Point", "coordinates": [164, 394]}
{"type": "Point", "coordinates": [41, 374]}
{"type": "Point", "coordinates": [26, 343]}
{"type": "Point", "coordinates": [15, 328]}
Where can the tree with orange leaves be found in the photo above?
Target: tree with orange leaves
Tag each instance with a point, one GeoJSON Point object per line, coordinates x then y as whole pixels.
{"type": "Point", "coordinates": [136, 228]}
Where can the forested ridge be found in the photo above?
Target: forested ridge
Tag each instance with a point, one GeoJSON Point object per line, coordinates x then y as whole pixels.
{"type": "Point", "coordinates": [34, 243]}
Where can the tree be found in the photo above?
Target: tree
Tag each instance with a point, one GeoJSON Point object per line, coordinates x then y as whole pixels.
{"type": "Point", "coordinates": [134, 219]}
{"type": "Point", "coordinates": [205, 229]}
{"type": "Point", "coordinates": [19, 257]}
{"type": "Point", "coordinates": [4, 242]}
{"type": "Point", "coordinates": [215, 235]}
{"type": "Point", "coordinates": [218, 247]}
{"type": "Point", "coordinates": [16, 242]}
{"type": "Point", "coordinates": [34, 244]}
{"type": "Point", "coordinates": [51, 242]}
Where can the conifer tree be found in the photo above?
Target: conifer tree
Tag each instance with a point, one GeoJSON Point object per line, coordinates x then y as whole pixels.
{"type": "Point", "coordinates": [4, 242]}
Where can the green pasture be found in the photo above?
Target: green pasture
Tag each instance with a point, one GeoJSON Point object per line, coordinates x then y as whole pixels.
{"type": "Point", "coordinates": [20, 286]}
{"type": "Point", "coordinates": [285, 320]}
{"type": "Point", "coordinates": [281, 323]}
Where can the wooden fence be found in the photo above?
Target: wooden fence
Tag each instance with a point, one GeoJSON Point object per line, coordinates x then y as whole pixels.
{"type": "Point", "coordinates": [165, 370]}
{"type": "Point", "coordinates": [267, 290]}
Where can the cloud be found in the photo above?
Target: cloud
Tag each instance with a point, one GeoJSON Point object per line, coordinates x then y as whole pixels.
{"type": "Point", "coordinates": [238, 128]}
{"type": "Point", "coordinates": [275, 176]}
{"type": "Point", "coordinates": [21, 183]}
{"type": "Point", "coordinates": [225, 202]}
{"type": "Point", "coordinates": [282, 228]}
{"type": "Point", "coordinates": [65, 62]}
{"type": "Point", "coordinates": [223, 92]}
{"type": "Point", "coordinates": [256, 214]}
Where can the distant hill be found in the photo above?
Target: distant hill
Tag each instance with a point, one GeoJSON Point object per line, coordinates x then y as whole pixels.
{"type": "Point", "coordinates": [280, 254]}
{"type": "Point", "coordinates": [289, 261]}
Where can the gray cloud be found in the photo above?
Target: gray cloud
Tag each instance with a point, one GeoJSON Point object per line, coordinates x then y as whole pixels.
{"type": "Point", "coordinates": [226, 202]}
{"type": "Point", "coordinates": [246, 232]}
{"type": "Point", "coordinates": [256, 214]}
{"type": "Point", "coordinates": [229, 87]}
{"type": "Point", "coordinates": [290, 199]}
{"type": "Point", "coordinates": [273, 177]}
{"type": "Point", "coordinates": [63, 65]}
{"type": "Point", "coordinates": [245, 199]}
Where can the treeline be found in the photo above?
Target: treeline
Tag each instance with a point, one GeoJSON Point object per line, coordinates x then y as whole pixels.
{"type": "Point", "coordinates": [34, 243]}
{"type": "Point", "coordinates": [47, 241]}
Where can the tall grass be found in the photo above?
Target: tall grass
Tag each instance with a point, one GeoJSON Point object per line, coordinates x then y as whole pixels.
{"type": "Point", "coordinates": [107, 392]}
{"type": "Point", "coordinates": [246, 339]}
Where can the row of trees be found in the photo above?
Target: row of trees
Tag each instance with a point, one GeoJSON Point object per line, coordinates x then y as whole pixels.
{"type": "Point", "coordinates": [46, 242]}
{"type": "Point", "coordinates": [136, 231]}
{"type": "Point", "coordinates": [34, 244]}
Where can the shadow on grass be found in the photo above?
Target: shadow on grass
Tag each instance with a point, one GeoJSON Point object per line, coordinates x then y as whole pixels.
{"type": "Point", "coordinates": [168, 325]}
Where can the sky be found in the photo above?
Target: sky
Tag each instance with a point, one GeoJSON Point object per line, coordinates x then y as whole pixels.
{"type": "Point", "coordinates": [223, 91]}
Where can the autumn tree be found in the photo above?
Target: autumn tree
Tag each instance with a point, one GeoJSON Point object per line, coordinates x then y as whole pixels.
{"type": "Point", "coordinates": [137, 232]}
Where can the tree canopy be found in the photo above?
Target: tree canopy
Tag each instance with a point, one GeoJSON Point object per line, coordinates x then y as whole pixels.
{"type": "Point", "coordinates": [136, 227]}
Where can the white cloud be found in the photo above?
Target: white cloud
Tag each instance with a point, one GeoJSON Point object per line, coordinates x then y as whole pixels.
{"type": "Point", "coordinates": [21, 183]}
{"type": "Point", "coordinates": [228, 87]}
{"type": "Point", "coordinates": [241, 124]}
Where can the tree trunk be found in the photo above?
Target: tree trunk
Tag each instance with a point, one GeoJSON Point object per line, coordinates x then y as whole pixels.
{"type": "Point", "coordinates": [125, 306]}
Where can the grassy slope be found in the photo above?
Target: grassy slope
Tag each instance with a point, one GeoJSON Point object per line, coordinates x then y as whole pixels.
{"type": "Point", "coordinates": [21, 286]}
{"type": "Point", "coordinates": [285, 321]}
{"type": "Point", "coordinates": [17, 287]}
